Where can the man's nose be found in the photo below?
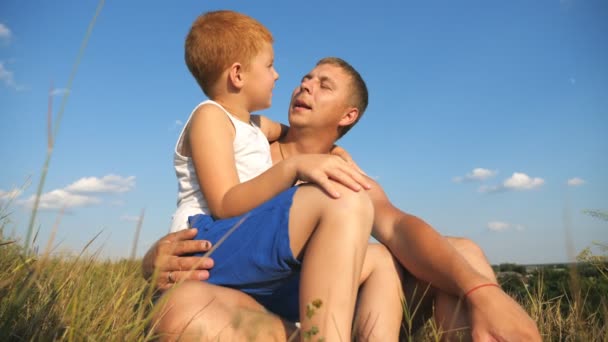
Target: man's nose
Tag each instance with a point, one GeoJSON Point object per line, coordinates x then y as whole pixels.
{"type": "Point", "coordinates": [306, 86]}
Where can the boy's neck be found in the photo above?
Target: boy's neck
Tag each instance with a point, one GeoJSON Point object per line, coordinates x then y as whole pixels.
{"type": "Point", "coordinates": [234, 107]}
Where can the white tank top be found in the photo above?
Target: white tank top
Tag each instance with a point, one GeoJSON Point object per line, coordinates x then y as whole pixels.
{"type": "Point", "coordinates": [251, 154]}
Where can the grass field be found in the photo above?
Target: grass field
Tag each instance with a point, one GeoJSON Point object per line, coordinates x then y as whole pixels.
{"type": "Point", "coordinates": [76, 298]}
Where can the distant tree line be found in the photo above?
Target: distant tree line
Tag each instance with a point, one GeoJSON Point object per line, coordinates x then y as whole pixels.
{"type": "Point", "coordinates": [584, 283]}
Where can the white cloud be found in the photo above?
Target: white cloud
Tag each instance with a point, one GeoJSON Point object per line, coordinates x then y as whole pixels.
{"type": "Point", "coordinates": [75, 194]}
{"type": "Point", "coordinates": [59, 91]}
{"type": "Point", "coordinates": [61, 199]}
{"type": "Point", "coordinates": [10, 195]}
{"type": "Point", "coordinates": [129, 218]}
{"type": "Point", "coordinates": [478, 174]}
{"type": "Point", "coordinates": [518, 181]}
{"type": "Point", "coordinates": [108, 183]}
{"type": "Point", "coordinates": [576, 181]}
{"type": "Point", "coordinates": [500, 226]}
{"type": "Point", "coordinates": [521, 181]}
{"type": "Point", "coordinates": [118, 203]}
{"type": "Point", "coordinates": [176, 125]}
{"type": "Point", "coordinates": [491, 188]}
{"type": "Point", "coordinates": [6, 76]}
{"type": "Point", "coordinates": [5, 32]}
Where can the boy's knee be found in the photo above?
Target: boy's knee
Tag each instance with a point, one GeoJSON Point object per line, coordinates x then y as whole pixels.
{"type": "Point", "coordinates": [353, 202]}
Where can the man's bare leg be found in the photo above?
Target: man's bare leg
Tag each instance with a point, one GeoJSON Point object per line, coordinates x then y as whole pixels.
{"type": "Point", "coordinates": [450, 312]}
{"type": "Point", "coordinates": [199, 311]}
{"type": "Point", "coordinates": [379, 311]}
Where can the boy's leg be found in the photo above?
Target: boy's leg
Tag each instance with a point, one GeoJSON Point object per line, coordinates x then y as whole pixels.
{"type": "Point", "coordinates": [379, 309]}
{"type": "Point", "coordinates": [331, 236]}
{"type": "Point", "coordinates": [199, 311]}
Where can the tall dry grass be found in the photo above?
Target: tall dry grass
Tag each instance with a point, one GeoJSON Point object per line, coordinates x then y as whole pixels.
{"type": "Point", "coordinates": [71, 298]}
{"type": "Point", "coordinates": [81, 297]}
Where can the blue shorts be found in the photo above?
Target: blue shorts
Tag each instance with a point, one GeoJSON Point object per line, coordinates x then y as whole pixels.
{"type": "Point", "coordinates": [256, 257]}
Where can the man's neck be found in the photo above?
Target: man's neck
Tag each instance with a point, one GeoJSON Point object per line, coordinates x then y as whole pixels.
{"type": "Point", "coordinates": [299, 141]}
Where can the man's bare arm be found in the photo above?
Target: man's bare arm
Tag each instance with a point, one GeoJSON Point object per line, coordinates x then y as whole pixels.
{"type": "Point", "coordinates": [428, 256]}
{"type": "Point", "coordinates": [420, 248]}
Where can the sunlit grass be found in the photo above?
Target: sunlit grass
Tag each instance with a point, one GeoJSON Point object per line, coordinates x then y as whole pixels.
{"type": "Point", "coordinates": [75, 298]}
{"type": "Point", "coordinates": [71, 298]}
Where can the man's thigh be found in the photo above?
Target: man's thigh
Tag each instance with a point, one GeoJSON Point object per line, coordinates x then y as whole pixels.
{"type": "Point", "coordinates": [208, 312]}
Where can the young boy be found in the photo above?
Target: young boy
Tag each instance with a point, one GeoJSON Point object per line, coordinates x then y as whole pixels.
{"type": "Point", "coordinates": [225, 174]}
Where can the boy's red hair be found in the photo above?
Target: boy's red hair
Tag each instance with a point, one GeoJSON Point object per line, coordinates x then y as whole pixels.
{"type": "Point", "coordinates": [217, 40]}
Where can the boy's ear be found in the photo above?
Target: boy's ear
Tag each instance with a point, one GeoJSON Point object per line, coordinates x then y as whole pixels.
{"type": "Point", "coordinates": [349, 117]}
{"type": "Point", "coordinates": [235, 75]}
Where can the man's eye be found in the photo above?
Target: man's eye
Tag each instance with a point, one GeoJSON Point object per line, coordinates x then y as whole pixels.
{"type": "Point", "coordinates": [325, 86]}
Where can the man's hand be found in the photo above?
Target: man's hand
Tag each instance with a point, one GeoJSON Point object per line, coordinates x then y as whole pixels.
{"type": "Point", "coordinates": [495, 316]}
{"type": "Point", "coordinates": [170, 257]}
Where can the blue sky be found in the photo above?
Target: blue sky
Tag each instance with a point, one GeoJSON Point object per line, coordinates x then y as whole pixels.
{"type": "Point", "coordinates": [489, 119]}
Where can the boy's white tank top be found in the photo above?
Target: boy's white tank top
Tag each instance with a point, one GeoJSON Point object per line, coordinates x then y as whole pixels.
{"type": "Point", "coordinates": [251, 154]}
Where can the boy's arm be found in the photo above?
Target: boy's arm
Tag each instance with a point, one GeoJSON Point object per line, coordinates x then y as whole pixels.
{"type": "Point", "coordinates": [210, 137]}
{"type": "Point", "coordinates": [272, 130]}
{"type": "Point", "coordinates": [430, 257]}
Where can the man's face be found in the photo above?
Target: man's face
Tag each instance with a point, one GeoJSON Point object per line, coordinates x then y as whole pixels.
{"type": "Point", "coordinates": [321, 99]}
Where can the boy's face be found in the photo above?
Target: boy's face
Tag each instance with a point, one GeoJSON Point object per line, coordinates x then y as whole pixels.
{"type": "Point", "coordinates": [260, 78]}
{"type": "Point", "coordinates": [321, 99]}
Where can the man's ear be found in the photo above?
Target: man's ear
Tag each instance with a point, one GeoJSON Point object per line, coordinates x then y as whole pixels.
{"type": "Point", "coordinates": [349, 117]}
{"type": "Point", "coordinates": [235, 75]}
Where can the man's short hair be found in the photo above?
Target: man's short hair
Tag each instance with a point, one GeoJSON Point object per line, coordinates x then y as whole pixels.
{"type": "Point", "coordinates": [217, 40]}
{"type": "Point", "coordinates": [359, 95]}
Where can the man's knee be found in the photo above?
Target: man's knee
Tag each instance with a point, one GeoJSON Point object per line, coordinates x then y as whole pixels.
{"type": "Point", "coordinates": [181, 311]}
{"type": "Point", "coordinates": [467, 248]}
{"type": "Point", "coordinates": [380, 255]}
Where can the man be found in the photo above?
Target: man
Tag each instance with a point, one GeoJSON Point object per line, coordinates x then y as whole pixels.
{"type": "Point", "coordinates": [327, 103]}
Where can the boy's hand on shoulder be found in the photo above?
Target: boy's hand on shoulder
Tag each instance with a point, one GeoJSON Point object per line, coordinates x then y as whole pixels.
{"type": "Point", "coordinates": [342, 153]}
{"type": "Point", "coordinates": [322, 169]}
